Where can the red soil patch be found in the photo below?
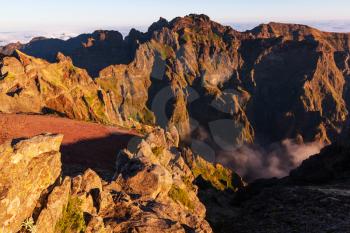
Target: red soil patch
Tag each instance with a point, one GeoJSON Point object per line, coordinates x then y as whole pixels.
{"type": "Point", "coordinates": [17, 126]}
{"type": "Point", "coordinates": [84, 144]}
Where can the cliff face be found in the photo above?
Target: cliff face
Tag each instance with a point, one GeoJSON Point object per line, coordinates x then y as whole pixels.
{"type": "Point", "coordinates": [274, 82]}
{"type": "Point", "coordinates": [302, 61]}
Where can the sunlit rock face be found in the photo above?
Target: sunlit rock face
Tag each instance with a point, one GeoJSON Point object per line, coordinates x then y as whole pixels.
{"type": "Point", "coordinates": [27, 169]}
{"type": "Point", "coordinates": [32, 85]}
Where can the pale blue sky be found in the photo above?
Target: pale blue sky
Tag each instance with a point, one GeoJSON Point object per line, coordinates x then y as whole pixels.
{"type": "Point", "coordinates": [61, 14]}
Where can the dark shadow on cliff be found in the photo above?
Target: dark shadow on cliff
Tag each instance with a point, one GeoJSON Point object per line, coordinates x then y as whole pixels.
{"type": "Point", "coordinates": [92, 52]}
{"type": "Point", "coordinates": [98, 154]}
{"type": "Point", "coordinates": [218, 203]}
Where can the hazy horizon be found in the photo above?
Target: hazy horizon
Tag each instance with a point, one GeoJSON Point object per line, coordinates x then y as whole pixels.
{"type": "Point", "coordinates": [63, 19]}
{"type": "Point", "coordinates": [25, 36]}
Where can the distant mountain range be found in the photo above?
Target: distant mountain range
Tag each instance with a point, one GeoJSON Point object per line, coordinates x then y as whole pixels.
{"type": "Point", "coordinates": [7, 37]}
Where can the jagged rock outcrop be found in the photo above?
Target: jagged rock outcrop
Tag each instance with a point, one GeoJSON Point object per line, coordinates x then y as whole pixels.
{"type": "Point", "coordinates": [27, 169]}
{"type": "Point", "coordinates": [157, 175]}
{"type": "Point", "coordinates": [8, 50]}
{"type": "Point", "coordinates": [51, 214]}
{"type": "Point", "coordinates": [152, 190]}
{"type": "Point", "coordinates": [32, 85]}
{"type": "Point", "coordinates": [127, 86]}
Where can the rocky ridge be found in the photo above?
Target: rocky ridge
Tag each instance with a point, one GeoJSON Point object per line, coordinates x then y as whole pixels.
{"type": "Point", "coordinates": [192, 68]}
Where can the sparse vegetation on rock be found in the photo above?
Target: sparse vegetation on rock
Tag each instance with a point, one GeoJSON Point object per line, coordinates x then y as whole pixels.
{"type": "Point", "coordinates": [72, 219]}
{"type": "Point", "coordinates": [180, 195]}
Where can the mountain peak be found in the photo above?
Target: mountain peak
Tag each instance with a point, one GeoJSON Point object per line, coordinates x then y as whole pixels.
{"type": "Point", "coordinates": [38, 39]}
{"type": "Point", "coordinates": [202, 17]}
{"type": "Point", "coordinates": [102, 35]}
{"type": "Point", "coordinates": [162, 22]}
{"type": "Point", "coordinates": [194, 18]}
{"type": "Point", "coordinates": [24, 58]}
{"type": "Point", "coordinates": [293, 31]}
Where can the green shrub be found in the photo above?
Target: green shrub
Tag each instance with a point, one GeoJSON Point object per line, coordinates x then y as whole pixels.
{"type": "Point", "coordinates": [148, 117]}
{"type": "Point", "coordinates": [180, 195]}
{"type": "Point", "coordinates": [219, 176]}
{"type": "Point", "coordinates": [72, 219]}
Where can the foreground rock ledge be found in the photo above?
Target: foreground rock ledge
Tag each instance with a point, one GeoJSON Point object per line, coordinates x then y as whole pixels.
{"type": "Point", "coordinates": [27, 168]}
{"type": "Point", "coordinates": [152, 190]}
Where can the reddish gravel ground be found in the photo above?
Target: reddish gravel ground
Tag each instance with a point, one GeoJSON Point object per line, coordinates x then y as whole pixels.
{"type": "Point", "coordinates": [84, 145]}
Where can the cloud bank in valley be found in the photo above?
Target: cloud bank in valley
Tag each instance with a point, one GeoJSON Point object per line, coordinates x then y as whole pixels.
{"type": "Point", "coordinates": [253, 162]}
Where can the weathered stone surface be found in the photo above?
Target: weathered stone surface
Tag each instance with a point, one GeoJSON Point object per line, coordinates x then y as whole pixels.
{"type": "Point", "coordinates": [96, 225]}
{"type": "Point", "coordinates": [152, 181]}
{"type": "Point", "coordinates": [51, 214]}
{"type": "Point", "coordinates": [90, 181]}
{"type": "Point", "coordinates": [152, 190]}
{"type": "Point", "coordinates": [27, 169]}
{"type": "Point", "coordinates": [149, 223]}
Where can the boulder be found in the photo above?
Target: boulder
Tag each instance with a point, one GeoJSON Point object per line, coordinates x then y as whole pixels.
{"type": "Point", "coordinates": [27, 169]}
